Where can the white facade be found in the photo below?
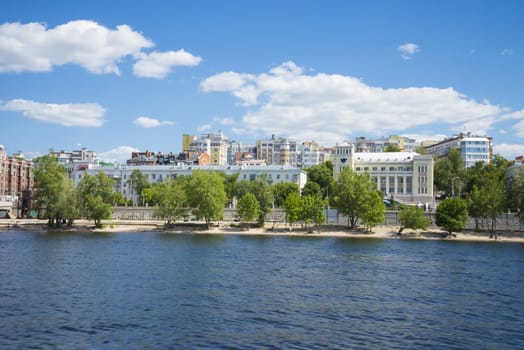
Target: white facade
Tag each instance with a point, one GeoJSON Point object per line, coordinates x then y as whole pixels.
{"type": "Point", "coordinates": [157, 173]}
{"type": "Point", "coordinates": [407, 176]}
{"type": "Point", "coordinates": [472, 148]}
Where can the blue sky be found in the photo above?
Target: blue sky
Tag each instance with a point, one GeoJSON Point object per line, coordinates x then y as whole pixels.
{"type": "Point", "coordinates": [116, 76]}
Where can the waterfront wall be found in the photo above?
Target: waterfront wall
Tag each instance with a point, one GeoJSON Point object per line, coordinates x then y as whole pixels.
{"type": "Point", "coordinates": [506, 221]}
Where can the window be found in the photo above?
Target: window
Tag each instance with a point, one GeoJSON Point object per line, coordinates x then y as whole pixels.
{"type": "Point", "coordinates": [383, 168]}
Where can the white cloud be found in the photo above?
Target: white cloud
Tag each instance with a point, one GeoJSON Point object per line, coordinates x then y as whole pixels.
{"type": "Point", "coordinates": [159, 64]}
{"type": "Point", "coordinates": [147, 122]}
{"type": "Point", "coordinates": [80, 114]}
{"type": "Point", "coordinates": [34, 47]}
{"type": "Point", "coordinates": [509, 151]}
{"type": "Point", "coordinates": [204, 127]}
{"type": "Point", "coordinates": [330, 107]}
{"type": "Point", "coordinates": [224, 121]}
{"type": "Point", "coordinates": [506, 52]}
{"type": "Point", "coordinates": [408, 50]}
{"type": "Point", "coordinates": [519, 129]}
{"type": "Point", "coordinates": [119, 154]}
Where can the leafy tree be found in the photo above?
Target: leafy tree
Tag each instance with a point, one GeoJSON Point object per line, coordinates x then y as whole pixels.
{"type": "Point", "coordinates": [282, 190]}
{"type": "Point", "coordinates": [477, 205]}
{"type": "Point", "coordinates": [292, 205]}
{"type": "Point", "coordinates": [96, 194]}
{"type": "Point", "coordinates": [118, 199]}
{"type": "Point", "coordinates": [138, 182]}
{"type": "Point", "coordinates": [262, 191]}
{"type": "Point", "coordinates": [392, 148]}
{"type": "Point", "coordinates": [170, 199]}
{"type": "Point", "coordinates": [452, 214]}
{"type": "Point", "coordinates": [206, 195]}
{"type": "Point", "coordinates": [312, 210]}
{"type": "Point", "coordinates": [517, 200]}
{"type": "Point", "coordinates": [55, 193]}
{"type": "Point", "coordinates": [229, 184]}
{"type": "Point", "coordinates": [449, 172]}
{"type": "Point", "coordinates": [354, 195]}
{"type": "Point", "coordinates": [322, 175]}
{"type": "Point", "coordinates": [312, 189]}
{"type": "Point", "coordinates": [374, 212]}
{"type": "Point", "coordinates": [495, 195]}
{"type": "Point", "coordinates": [413, 218]}
{"type": "Point", "coordinates": [421, 150]}
{"type": "Point", "coordinates": [248, 208]}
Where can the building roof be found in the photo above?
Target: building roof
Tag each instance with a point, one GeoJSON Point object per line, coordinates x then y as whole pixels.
{"type": "Point", "coordinates": [384, 157]}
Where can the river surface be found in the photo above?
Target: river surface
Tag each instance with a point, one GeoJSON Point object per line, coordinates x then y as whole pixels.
{"type": "Point", "coordinates": [166, 291]}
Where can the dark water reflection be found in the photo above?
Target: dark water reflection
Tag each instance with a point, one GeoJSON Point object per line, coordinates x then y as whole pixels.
{"type": "Point", "coordinates": [158, 291]}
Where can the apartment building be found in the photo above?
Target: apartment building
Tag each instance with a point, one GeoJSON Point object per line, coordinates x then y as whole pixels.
{"type": "Point", "coordinates": [472, 148]}
{"type": "Point", "coordinates": [16, 180]}
{"type": "Point", "coordinates": [278, 151]}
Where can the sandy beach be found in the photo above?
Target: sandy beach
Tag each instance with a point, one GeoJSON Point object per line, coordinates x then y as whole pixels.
{"type": "Point", "coordinates": [280, 229]}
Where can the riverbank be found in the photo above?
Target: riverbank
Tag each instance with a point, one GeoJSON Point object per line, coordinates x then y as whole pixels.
{"type": "Point", "coordinates": [280, 229]}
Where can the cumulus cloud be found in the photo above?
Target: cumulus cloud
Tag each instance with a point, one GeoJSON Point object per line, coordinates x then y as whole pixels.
{"type": "Point", "coordinates": [159, 64]}
{"type": "Point", "coordinates": [509, 151]}
{"type": "Point", "coordinates": [79, 114]}
{"type": "Point", "coordinates": [408, 50]}
{"type": "Point", "coordinates": [147, 122]}
{"type": "Point", "coordinates": [519, 129]}
{"type": "Point", "coordinates": [34, 47]}
{"type": "Point", "coordinates": [330, 107]}
{"type": "Point", "coordinates": [119, 154]}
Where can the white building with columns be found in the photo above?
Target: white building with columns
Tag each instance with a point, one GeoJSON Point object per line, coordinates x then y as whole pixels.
{"type": "Point", "coordinates": [405, 176]}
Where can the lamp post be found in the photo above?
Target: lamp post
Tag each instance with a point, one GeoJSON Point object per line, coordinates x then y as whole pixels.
{"type": "Point", "coordinates": [453, 186]}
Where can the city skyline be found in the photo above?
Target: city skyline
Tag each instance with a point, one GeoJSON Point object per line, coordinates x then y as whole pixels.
{"type": "Point", "coordinates": [117, 78]}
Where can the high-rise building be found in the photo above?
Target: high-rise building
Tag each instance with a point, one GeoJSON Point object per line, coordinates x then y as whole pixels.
{"type": "Point", "coordinates": [279, 151]}
{"type": "Point", "coordinates": [472, 148]}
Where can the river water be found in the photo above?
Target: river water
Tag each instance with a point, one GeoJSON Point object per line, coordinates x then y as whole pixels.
{"type": "Point", "coordinates": [166, 291]}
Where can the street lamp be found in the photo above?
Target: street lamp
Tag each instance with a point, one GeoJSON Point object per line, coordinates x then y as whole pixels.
{"type": "Point", "coordinates": [453, 186]}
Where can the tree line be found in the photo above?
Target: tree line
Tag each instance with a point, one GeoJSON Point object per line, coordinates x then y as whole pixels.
{"type": "Point", "coordinates": [482, 192]}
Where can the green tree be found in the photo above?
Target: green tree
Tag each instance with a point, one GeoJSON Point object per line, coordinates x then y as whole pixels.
{"type": "Point", "coordinates": [452, 215]}
{"type": "Point", "coordinates": [312, 210]}
{"type": "Point", "coordinates": [262, 191]}
{"type": "Point", "coordinates": [517, 199]}
{"type": "Point", "coordinates": [322, 175]}
{"type": "Point", "coordinates": [412, 218]}
{"type": "Point", "coordinates": [449, 173]}
{"type": "Point", "coordinates": [495, 199]}
{"type": "Point", "coordinates": [96, 194]}
{"type": "Point", "coordinates": [55, 194]}
{"type": "Point", "coordinates": [421, 150]}
{"type": "Point", "coordinates": [292, 206]}
{"type": "Point", "coordinates": [392, 148]}
{"type": "Point", "coordinates": [354, 195]}
{"type": "Point", "coordinates": [229, 184]}
{"type": "Point", "coordinates": [312, 189]}
{"type": "Point", "coordinates": [206, 195]}
{"type": "Point", "coordinates": [170, 199]}
{"type": "Point", "coordinates": [138, 182]}
{"type": "Point", "coordinates": [248, 208]}
{"type": "Point", "coordinates": [374, 212]}
{"type": "Point", "coordinates": [477, 205]}
{"type": "Point", "coordinates": [281, 190]}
